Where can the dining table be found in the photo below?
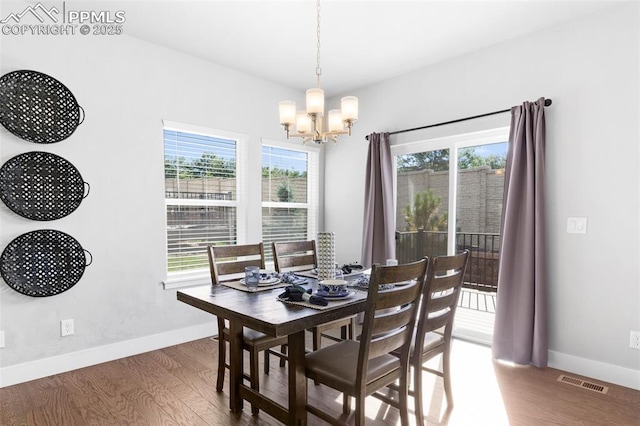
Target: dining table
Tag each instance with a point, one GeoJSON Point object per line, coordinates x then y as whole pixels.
{"type": "Point", "coordinates": [262, 311]}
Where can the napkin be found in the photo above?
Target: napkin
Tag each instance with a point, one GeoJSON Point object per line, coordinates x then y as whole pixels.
{"type": "Point", "coordinates": [291, 278]}
{"type": "Point", "coordinates": [298, 294]}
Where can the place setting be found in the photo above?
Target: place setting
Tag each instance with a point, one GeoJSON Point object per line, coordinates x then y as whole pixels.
{"type": "Point", "coordinates": [322, 297]}
{"type": "Point", "coordinates": [256, 279]}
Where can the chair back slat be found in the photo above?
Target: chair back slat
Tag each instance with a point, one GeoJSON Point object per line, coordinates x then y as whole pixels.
{"type": "Point", "coordinates": [388, 343]}
{"type": "Point", "coordinates": [300, 262]}
{"type": "Point", "coordinates": [390, 315]}
{"type": "Point", "coordinates": [395, 297]}
{"type": "Point", "coordinates": [228, 262]}
{"type": "Point", "coordinates": [294, 255]}
{"type": "Point", "coordinates": [446, 282]}
{"type": "Point", "coordinates": [389, 321]}
{"type": "Point", "coordinates": [443, 302]}
{"type": "Point", "coordinates": [440, 295]}
{"type": "Point", "coordinates": [439, 320]}
{"type": "Point", "coordinates": [228, 268]}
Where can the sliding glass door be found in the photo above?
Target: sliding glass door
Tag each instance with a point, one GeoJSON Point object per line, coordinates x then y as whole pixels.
{"type": "Point", "coordinates": [449, 198]}
{"type": "Point", "coordinates": [422, 210]}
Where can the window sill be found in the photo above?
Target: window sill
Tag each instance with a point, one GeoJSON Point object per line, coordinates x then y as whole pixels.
{"type": "Point", "coordinates": [181, 281]}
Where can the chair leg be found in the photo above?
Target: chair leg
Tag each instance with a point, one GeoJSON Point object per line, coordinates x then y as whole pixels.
{"type": "Point", "coordinates": [403, 396]}
{"type": "Point", "coordinates": [317, 339]}
{"type": "Point", "coordinates": [352, 329]}
{"type": "Point", "coordinates": [360, 411]}
{"type": "Point", "coordinates": [343, 332]}
{"type": "Point", "coordinates": [222, 358]}
{"type": "Point", "coordinates": [417, 393]}
{"type": "Point", "coordinates": [446, 375]}
{"type": "Point", "coordinates": [283, 349]}
{"type": "Point", "coordinates": [266, 361]}
{"type": "Point", "coordinates": [346, 403]}
{"type": "Point", "coordinates": [254, 376]}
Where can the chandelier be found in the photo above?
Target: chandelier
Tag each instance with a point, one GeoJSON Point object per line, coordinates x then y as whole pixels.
{"type": "Point", "coordinates": [309, 122]}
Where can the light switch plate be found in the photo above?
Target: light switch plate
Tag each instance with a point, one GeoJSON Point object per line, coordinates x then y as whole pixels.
{"type": "Point", "coordinates": [576, 225]}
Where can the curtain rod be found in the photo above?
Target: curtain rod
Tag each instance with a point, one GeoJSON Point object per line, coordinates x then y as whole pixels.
{"type": "Point", "coordinates": [547, 102]}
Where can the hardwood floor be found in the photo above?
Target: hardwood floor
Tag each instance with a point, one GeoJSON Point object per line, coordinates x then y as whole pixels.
{"type": "Point", "coordinates": [176, 386]}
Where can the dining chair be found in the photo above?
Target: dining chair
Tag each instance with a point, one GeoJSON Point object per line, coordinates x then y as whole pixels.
{"type": "Point", "coordinates": [360, 368]}
{"type": "Point", "coordinates": [434, 325]}
{"type": "Point", "coordinates": [292, 256]}
{"type": "Point", "coordinates": [228, 263]}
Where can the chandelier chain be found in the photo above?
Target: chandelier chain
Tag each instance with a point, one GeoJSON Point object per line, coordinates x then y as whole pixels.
{"type": "Point", "coordinates": [318, 69]}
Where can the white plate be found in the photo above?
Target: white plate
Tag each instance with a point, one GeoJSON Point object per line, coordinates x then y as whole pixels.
{"type": "Point", "coordinates": [264, 283]}
{"type": "Point", "coordinates": [338, 296]}
{"type": "Point", "coordinates": [334, 282]}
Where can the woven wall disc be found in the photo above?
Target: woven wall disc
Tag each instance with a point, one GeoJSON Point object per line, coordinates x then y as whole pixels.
{"type": "Point", "coordinates": [43, 263]}
{"type": "Point", "coordinates": [37, 107]}
{"type": "Point", "coordinates": [41, 186]}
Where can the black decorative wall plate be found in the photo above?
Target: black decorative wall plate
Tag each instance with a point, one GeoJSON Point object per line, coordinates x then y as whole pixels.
{"type": "Point", "coordinates": [43, 263]}
{"type": "Point", "coordinates": [41, 186]}
{"type": "Point", "coordinates": [37, 107]}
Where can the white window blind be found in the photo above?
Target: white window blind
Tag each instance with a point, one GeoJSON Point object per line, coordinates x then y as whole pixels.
{"type": "Point", "coordinates": [201, 194]}
{"type": "Point", "coordinates": [289, 195]}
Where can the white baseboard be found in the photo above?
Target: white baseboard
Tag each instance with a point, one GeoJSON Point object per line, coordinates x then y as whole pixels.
{"type": "Point", "coordinates": [595, 369]}
{"type": "Point", "coordinates": [32, 370]}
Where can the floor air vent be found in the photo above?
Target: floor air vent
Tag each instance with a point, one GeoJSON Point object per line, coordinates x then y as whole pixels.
{"type": "Point", "coordinates": [583, 384]}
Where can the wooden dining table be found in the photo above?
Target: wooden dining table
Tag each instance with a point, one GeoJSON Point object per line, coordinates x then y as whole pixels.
{"type": "Point", "coordinates": [262, 311]}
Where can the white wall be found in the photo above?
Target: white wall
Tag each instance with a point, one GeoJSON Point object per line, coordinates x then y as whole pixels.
{"type": "Point", "coordinates": [589, 68]}
{"type": "Point", "coordinates": [127, 87]}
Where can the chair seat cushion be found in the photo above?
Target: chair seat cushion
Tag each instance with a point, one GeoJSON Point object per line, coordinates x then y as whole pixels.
{"type": "Point", "coordinates": [336, 366]}
{"type": "Point", "coordinates": [255, 338]}
{"type": "Point", "coordinates": [431, 341]}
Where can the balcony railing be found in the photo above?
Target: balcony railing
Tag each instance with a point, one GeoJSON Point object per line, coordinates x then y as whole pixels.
{"type": "Point", "coordinates": [484, 254]}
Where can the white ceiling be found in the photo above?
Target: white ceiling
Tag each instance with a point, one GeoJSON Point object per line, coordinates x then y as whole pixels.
{"type": "Point", "coordinates": [362, 42]}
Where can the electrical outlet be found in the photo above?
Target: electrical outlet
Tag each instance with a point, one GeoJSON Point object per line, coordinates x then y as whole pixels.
{"type": "Point", "coordinates": [66, 327]}
{"type": "Point", "coordinates": [634, 341]}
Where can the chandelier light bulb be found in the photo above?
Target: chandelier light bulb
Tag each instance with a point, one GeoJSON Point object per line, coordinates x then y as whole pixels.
{"type": "Point", "coordinates": [315, 101]}
{"type": "Point", "coordinates": [303, 122]}
{"type": "Point", "coordinates": [349, 105]}
{"type": "Point", "coordinates": [335, 120]}
{"type": "Point", "coordinates": [287, 112]}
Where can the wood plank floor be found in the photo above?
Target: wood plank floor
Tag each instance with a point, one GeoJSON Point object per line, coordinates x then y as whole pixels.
{"type": "Point", "coordinates": [176, 386]}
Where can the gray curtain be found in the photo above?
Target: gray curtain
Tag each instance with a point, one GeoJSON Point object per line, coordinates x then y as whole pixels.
{"type": "Point", "coordinates": [520, 332]}
{"type": "Point", "coordinates": [378, 234]}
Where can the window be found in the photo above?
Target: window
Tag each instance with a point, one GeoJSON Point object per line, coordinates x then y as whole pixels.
{"type": "Point", "coordinates": [435, 208]}
{"type": "Point", "coordinates": [449, 198]}
{"type": "Point", "coordinates": [289, 194]}
{"type": "Point", "coordinates": [201, 193]}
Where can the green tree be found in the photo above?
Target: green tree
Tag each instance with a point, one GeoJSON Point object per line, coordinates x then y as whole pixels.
{"type": "Point", "coordinates": [496, 162]}
{"type": "Point", "coordinates": [468, 159]}
{"type": "Point", "coordinates": [438, 160]}
{"type": "Point", "coordinates": [210, 165]}
{"type": "Point", "coordinates": [285, 191]}
{"type": "Point", "coordinates": [423, 213]}
{"type": "Point", "coordinates": [274, 171]}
